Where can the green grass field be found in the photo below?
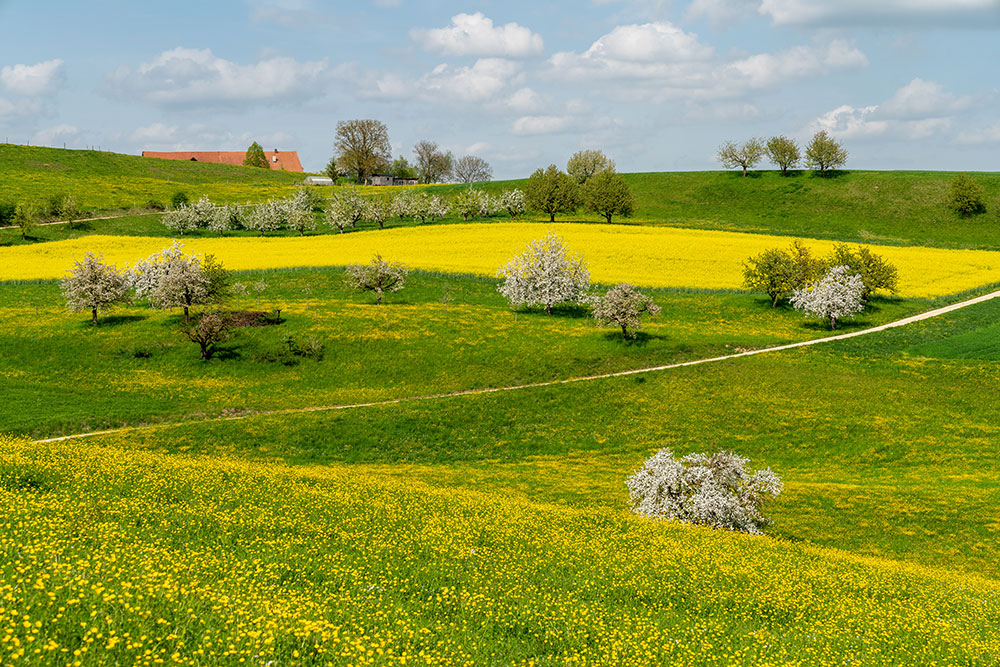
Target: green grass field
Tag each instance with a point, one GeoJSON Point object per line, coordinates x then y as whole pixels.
{"type": "Point", "coordinates": [102, 181]}
{"type": "Point", "coordinates": [493, 528]}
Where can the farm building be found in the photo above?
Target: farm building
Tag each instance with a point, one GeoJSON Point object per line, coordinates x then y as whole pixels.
{"type": "Point", "coordinates": [280, 160]}
{"type": "Point", "coordinates": [386, 179]}
{"type": "Point", "coordinates": [318, 180]}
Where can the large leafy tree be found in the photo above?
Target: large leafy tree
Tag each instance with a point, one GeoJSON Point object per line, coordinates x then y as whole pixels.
{"type": "Point", "coordinates": [545, 274]}
{"type": "Point", "coordinates": [607, 194]}
{"type": "Point", "coordinates": [363, 146]}
{"type": "Point", "coordinates": [875, 271]}
{"type": "Point", "coordinates": [552, 191]}
{"type": "Point", "coordinates": [93, 285]}
{"type": "Point", "coordinates": [472, 169]}
{"type": "Point", "coordinates": [433, 164]}
{"type": "Point", "coordinates": [586, 163]}
{"type": "Point", "coordinates": [825, 153]}
{"type": "Point", "coordinates": [255, 157]}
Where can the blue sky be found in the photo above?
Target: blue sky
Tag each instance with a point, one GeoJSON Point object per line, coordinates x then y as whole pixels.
{"type": "Point", "coordinates": [658, 85]}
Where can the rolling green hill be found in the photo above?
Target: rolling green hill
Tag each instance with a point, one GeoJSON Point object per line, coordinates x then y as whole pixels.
{"type": "Point", "coordinates": [883, 207]}
{"type": "Point", "coordinates": [101, 181]}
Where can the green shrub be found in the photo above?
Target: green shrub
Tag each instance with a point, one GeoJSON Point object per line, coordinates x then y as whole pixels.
{"type": "Point", "coordinates": [966, 196]}
{"type": "Point", "coordinates": [155, 205]}
{"type": "Point", "coordinates": [7, 213]}
{"type": "Point", "coordinates": [179, 199]}
{"type": "Point", "coordinates": [55, 206]}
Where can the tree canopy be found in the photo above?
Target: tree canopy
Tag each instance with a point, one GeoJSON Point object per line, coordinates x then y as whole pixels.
{"type": "Point", "coordinates": [255, 157]}
{"type": "Point", "coordinates": [825, 153]}
{"type": "Point", "coordinates": [362, 147]}
{"type": "Point", "coordinates": [552, 191]}
{"type": "Point", "coordinates": [586, 163]}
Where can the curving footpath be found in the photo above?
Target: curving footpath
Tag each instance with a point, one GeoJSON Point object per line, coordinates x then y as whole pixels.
{"type": "Point", "coordinates": [937, 312]}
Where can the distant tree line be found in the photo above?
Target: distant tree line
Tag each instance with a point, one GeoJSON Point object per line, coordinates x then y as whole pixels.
{"type": "Point", "coordinates": [823, 153]}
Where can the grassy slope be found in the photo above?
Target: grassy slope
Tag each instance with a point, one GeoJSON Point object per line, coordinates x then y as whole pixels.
{"type": "Point", "coordinates": [106, 181]}
{"type": "Point", "coordinates": [113, 556]}
{"type": "Point", "coordinates": [440, 334]}
{"type": "Point", "coordinates": [885, 449]}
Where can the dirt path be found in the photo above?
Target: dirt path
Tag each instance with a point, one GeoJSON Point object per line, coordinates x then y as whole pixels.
{"type": "Point", "coordinates": [937, 312]}
{"type": "Point", "coordinates": [64, 222]}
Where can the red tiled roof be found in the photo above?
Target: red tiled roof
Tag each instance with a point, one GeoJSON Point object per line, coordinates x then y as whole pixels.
{"type": "Point", "coordinates": [281, 160]}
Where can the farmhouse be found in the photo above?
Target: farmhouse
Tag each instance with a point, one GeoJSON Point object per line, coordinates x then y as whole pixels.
{"type": "Point", "coordinates": [282, 161]}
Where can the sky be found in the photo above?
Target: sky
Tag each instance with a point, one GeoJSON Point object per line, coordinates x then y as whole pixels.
{"type": "Point", "coordinates": [655, 84]}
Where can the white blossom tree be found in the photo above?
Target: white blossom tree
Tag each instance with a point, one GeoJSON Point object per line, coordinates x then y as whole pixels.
{"type": "Point", "coordinates": [269, 216]}
{"type": "Point", "coordinates": [378, 276]}
{"type": "Point", "coordinates": [512, 201]}
{"type": "Point", "coordinates": [716, 490]}
{"type": "Point", "coordinates": [223, 219]}
{"type": "Point", "coordinates": [545, 274]}
{"type": "Point", "coordinates": [170, 279]}
{"type": "Point", "coordinates": [93, 285]}
{"type": "Point", "coordinates": [347, 208]}
{"type": "Point", "coordinates": [438, 207]}
{"type": "Point", "coordinates": [298, 212]}
{"type": "Point", "coordinates": [202, 212]}
{"type": "Point", "coordinates": [379, 210]}
{"type": "Point", "coordinates": [180, 220]}
{"type": "Point", "coordinates": [836, 295]}
{"type": "Point", "coordinates": [623, 305]}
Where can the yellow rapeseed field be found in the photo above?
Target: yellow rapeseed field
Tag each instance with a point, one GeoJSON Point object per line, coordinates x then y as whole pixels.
{"type": "Point", "coordinates": [646, 256]}
{"type": "Point", "coordinates": [121, 556]}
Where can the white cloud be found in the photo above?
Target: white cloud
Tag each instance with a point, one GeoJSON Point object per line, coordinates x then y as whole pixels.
{"type": "Point", "coordinates": [476, 35]}
{"type": "Point", "coordinates": [984, 135]}
{"type": "Point", "coordinates": [45, 78]}
{"type": "Point", "coordinates": [921, 98]}
{"type": "Point", "coordinates": [721, 12]}
{"type": "Point", "coordinates": [534, 125]}
{"type": "Point", "coordinates": [63, 133]}
{"type": "Point", "coordinates": [651, 42]}
{"type": "Point", "coordinates": [918, 110]}
{"type": "Point", "coordinates": [525, 100]}
{"type": "Point", "coordinates": [480, 82]}
{"type": "Point", "coordinates": [199, 136]}
{"type": "Point", "coordinates": [196, 76]}
{"type": "Point", "coordinates": [477, 148]}
{"type": "Point", "coordinates": [661, 62]}
{"type": "Point", "coordinates": [889, 12]}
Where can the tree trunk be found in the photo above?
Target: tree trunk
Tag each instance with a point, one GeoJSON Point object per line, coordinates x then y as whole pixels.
{"type": "Point", "coordinates": [744, 172]}
{"type": "Point", "coordinates": [93, 314]}
{"type": "Point", "coordinates": [302, 232]}
{"type": "Point", "coordinates": [378, 298]}
{"type": "Point", "coordinates": [206, 353]}
{"type": "Point", "coordinates": [608, 217]}
{"type": "Point", "coordinates": [548, 309]}
{"type": "Point", "coordinates": [624, 333]}
{"type": "Point", "coordinates": [833, 323]}
{"type": "Point", "coordinates": [552, 217]}
{"type": "Point", "coordinates": [187, 316]}
{"type": "Point", "coordinates": [774, 300]}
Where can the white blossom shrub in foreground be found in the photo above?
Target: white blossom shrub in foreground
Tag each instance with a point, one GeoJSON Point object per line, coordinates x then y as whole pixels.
{"type": "Point", "coordinates": [836, 295]}
{"type": "Point", "coordinates": [716, 490]}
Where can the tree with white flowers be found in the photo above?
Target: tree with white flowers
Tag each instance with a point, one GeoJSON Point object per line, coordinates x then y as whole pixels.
{"type": "Point", "coordinates": [836, 295]}
{"type": "Point", "coordinates": [379, 210]}
{"type": "Point", "coordinates": [716, 490]}
{"type": "Point", "coordinates": [223, 219]}
{"type": "Point", "coordinates": [202, 211]}
{"type": "Point", "coordinates": [93, 285]}
{"type": "Point", "coordinates": [347, 208]}
{"type": "Point", "coordinates": [512, 201]}
{"type": "Point", "coordinates": [298, 211]}
{"type": "Point", "coordinates": [180, 220]}
{"type": "Point", "coordinates": [623, 306]}
{"type": "Point", "coordinates": [171, 278]}
{"type": "Point", "coordinates": [545, 274]}
{"type": "Point", "coordinates": [269, 216]}
{"type": "Point", "coordinates": [378, 276]}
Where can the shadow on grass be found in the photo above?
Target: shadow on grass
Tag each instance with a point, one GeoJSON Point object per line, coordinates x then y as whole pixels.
{"type": "Point", "coordinates": [104, 321]}
{"type": "Point", "coordinates": [570, 312]}
{"type": "Point", "coordinates": [636, 339]}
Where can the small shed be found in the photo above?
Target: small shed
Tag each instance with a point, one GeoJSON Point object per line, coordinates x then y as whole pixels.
{"type": "Point", "coordinates": [405, 181]}
{"type": "Point", "coordinates": [382, 179]}
{"type": "Point", "coordinates": [318, 180]}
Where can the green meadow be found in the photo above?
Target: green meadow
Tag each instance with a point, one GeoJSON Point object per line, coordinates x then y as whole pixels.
{"type": "Point", "coordinates": [322, 492]}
